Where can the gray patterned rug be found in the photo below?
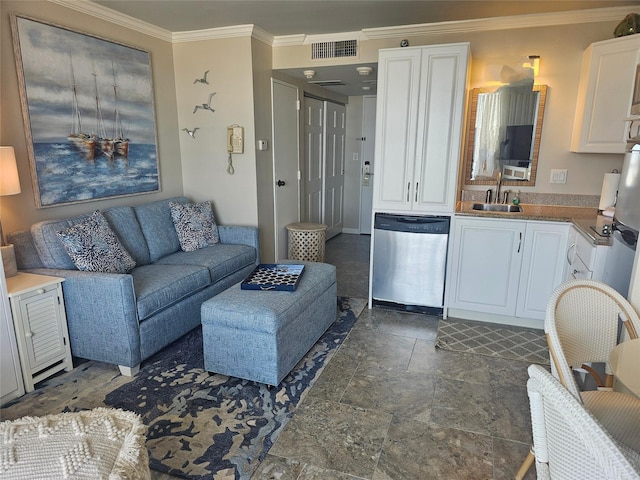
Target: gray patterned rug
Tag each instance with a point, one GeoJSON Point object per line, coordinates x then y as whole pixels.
{"type": "Point", "coordinates": [513, 343]}
{"type": "Point", "coordinates": [200, 425]}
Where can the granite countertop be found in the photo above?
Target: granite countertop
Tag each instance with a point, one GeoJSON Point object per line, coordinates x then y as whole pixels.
{"type": "Point", "coordinates": [582, 217]}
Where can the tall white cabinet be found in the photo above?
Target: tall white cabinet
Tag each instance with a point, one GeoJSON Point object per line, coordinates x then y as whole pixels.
{"type": "Point", "coordinates": [604, 95]}
{"type": "Point", "coordinates": [419, 120]}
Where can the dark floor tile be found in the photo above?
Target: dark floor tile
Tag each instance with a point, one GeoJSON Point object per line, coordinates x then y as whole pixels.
{"type": "Point", "coordinates": [404, 394]}
{"type": "Point", "coordinates": [419, 451]}
{"type": "Point", "coordinates": [334, 436]}
{"type": "Point", "coordinates": [507, 459]}
{"type": "Point", "coordinates": [386, 351]}
{"type": "Point", "coordinates": [277, 468]}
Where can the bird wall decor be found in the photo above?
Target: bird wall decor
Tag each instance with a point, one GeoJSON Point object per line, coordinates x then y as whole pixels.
{"type": "Point", "coordinates": [192, 133]}
{"type": "Point", "coordinates": [203, 79]}
{"type": "Point", "coordinates": [205, 106]}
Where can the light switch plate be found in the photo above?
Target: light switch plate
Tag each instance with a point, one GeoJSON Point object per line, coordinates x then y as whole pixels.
{"type": "Point", "coordinates": [558, 175]}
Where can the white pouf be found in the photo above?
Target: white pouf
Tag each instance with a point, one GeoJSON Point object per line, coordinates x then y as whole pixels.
{"type": "Point", "coordinates": [102, 443]}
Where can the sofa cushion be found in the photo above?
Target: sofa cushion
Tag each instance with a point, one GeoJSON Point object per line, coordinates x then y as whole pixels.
{"type": "Point", "coordinates": [159, 286]}
{"type": "Point", "coordinates": [48, 245]}
{"type": "Point", "coordinates": [195, 225]}
{"type": "Point", "coordinates": [94, 247]}
{"type": "Point", "coordinates": [221, 260]}
{"type": "Point", "coordinates": [123, 221]}
{"type": "Point", "coordinates": [157, 227]}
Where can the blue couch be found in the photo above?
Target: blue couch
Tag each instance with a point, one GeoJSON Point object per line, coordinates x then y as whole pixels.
{"type": "Point", "coordinates": [123, 319]}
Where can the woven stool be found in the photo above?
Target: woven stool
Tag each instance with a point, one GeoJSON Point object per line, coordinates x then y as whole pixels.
{"type": "Point", "coordinates": [306, 241]}
{"type": "Point", "coordinates": [99, 443]}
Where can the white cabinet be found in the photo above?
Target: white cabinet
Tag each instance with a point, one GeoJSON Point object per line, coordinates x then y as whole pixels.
{"type": "Point", "coordinates": [604, 95]}
{"type": "Point", "coordinates": [587, 260]}
{"type": "Point", "coordinates": [487, 255]}
{"type": "Point", "coordinates": [11, 384]}
{"type": "Point", "coordinates": [543, 266]}
{"type": "Point", "coordinates": [419, 118]}
{"type": "Point", "coordinates": [40, 323]}
{"type": "Point", "coordinates": [505, 267]}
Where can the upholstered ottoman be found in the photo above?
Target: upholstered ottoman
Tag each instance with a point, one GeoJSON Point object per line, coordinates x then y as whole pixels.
{"type": "Point", "coordinates": [261, 335]}
{"type": "Point", "coordinates": [99, 443]}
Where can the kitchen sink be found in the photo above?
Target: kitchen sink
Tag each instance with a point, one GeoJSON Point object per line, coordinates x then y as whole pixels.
{"type": "Point", "coordinates": [496, 207]}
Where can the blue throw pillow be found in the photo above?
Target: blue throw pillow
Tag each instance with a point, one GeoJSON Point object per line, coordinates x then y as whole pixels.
{"type": "Point", "coordinates": [195, 225]}
{"type": "Point", "coordinates": [94, 247]}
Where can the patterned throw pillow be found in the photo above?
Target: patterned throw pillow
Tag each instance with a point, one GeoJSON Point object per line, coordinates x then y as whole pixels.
{"type": "Point", "coordinates": [94, 247]}
{"type": "Point", "coordinates": [195, 225]}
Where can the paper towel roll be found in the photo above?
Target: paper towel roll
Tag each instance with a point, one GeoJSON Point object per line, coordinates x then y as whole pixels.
{"type": "Point", "coordinates": [609, 190]}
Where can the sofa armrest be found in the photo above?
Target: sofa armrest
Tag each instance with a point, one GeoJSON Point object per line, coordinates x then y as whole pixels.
{"type": "Point", "coordinates": [240, 235]}
{"type": "Point", "coordinates": [101, 315]}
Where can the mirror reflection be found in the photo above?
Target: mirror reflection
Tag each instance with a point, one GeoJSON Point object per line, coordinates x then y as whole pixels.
{"type": "Point", "coordinates": [504, 133]}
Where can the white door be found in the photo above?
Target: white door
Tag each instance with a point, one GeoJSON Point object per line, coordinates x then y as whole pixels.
{"type": "Point", "coordinates": [367, 155]}
{"type": "Point", "coordinates": [285, 161]}
{"type": "Point", "coordinates": [314, 145]}
{"type": "Point", "coordinates": [335, 125]}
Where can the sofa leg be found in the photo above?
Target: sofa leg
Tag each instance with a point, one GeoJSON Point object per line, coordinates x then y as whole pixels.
{"type": "Point", "coordinates": [129, 371]}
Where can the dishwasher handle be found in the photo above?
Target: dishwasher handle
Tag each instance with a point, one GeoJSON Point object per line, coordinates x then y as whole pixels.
{"type": "Point", "coordinates": [414, 224]}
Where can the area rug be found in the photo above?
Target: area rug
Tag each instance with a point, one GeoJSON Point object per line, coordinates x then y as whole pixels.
{"type": "Point", "coordinates": [512, 343]}
{"type": "Point", "coordinates": [203, 425]}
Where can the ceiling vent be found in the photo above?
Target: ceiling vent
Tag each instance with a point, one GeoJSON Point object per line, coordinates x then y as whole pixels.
{"type": "Point", "coordinates": [328, 83]}
{"type": "Point", "coordinates": [343, 48]}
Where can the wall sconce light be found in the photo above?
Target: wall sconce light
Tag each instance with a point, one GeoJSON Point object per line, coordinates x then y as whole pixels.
{"type": "Point", "coordinates": [364, 71]}
{"type": "Point", "coordinates": [9, 185]}
{"type": "Point", "coordinates": [532, 62]}
{"type": "Point", "coordinates": [309, 74]}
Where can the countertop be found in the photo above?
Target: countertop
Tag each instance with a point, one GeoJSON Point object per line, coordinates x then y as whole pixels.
{"type": "Point", "coordinates": [582, 217]}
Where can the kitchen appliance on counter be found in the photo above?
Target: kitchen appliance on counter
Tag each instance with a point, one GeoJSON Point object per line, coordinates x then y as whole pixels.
{"type": "Point", "coordinates": [409, 262]}
{"type": "Point", "coordinates": [626, 222]}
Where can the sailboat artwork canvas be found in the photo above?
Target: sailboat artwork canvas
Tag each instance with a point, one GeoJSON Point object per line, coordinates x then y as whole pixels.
{"type": "Point", "coordinates": [88, 113]}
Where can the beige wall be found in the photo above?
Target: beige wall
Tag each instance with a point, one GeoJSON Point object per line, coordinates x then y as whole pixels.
{"type": "Point", "coordinates": [261, 60]}
{"type": "Point", "coordinates": [560, 48]}
{"type": "Point", "coordinates": [19, 211]}
{"type": "Point", "coordinates": [205, 158]}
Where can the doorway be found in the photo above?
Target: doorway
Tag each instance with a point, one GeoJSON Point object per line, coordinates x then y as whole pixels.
{"type": "Point", "coordinates": [285, 150]}
{"type": "Point", "coordinates": [324, 133]}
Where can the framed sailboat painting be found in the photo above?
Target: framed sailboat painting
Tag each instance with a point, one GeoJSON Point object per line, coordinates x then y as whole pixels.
{"type": "Point", "coordinates": [89, 119]}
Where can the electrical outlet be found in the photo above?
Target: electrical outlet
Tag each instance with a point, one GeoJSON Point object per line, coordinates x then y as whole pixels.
{"type": "Point", "coordinates": [356, 156]}
{"type": "Point", "coordinates": [558, 175]}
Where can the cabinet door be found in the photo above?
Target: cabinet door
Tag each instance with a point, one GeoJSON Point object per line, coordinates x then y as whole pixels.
{"type": "Point", "coordinates": [42, 321]}
{"type": "Point", "coordinates": [396, 117]}
{"type": "Point", "coordinates": [487, 255]}
{"type": "Point", "coordinates": [442, 86]}
{"type": "Point", "coordinates": [604, 95]}
{"type": "Point", "coordinates": [543, 267]}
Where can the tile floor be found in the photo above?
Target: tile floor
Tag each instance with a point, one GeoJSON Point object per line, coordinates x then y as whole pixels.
{"type": "Point", "coordinates": [389, 406]}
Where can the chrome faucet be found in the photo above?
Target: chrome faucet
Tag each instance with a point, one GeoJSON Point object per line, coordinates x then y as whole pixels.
{"type": "Point", "coordinates": [497, 197]}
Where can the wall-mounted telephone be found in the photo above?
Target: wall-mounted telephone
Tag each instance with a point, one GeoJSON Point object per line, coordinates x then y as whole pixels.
{"type": "Point", "coordinates": [235, 139]}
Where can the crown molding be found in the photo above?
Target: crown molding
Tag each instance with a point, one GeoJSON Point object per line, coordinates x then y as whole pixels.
{"type": "Point", "coordinates": [109, 15]}
{"type": "Point", "coordinates": [235, 31]}
{"type": "Point", "coordinates": [440, 28]}
{"type": "Point", "coordinates": [500, 23]}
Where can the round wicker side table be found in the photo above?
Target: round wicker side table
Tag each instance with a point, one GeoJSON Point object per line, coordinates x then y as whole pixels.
{"type": "Point", "coordinates": [306, 241]}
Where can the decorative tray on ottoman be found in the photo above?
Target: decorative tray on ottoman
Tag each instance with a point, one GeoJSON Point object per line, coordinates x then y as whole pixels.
{"type": "Point", "coordinates": [272, 276]}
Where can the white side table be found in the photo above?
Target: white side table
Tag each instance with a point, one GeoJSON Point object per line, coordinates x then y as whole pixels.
{"type": "Point", "coordinates": [40, 322]}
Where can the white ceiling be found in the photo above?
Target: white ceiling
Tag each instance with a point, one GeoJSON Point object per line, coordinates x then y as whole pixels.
{"type": "Point", "coordinates": [315, 17]}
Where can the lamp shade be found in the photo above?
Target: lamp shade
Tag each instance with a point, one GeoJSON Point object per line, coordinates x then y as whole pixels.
{"type": "Point", "coordinates": [9, 180]}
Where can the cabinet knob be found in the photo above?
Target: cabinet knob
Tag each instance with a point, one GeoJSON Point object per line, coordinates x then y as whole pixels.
{"type": "Point", "coordinates": [40, 291]}
{"type": "Point", "coordinates": [28, 334]}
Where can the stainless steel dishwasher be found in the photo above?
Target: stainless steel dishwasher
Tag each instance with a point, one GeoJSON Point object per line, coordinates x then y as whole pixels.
{"type": "Point", "coordinates": [409, 261]}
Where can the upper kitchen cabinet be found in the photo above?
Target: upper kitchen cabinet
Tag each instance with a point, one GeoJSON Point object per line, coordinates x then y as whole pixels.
{"type": "Point", "coordinates": [604, 95]}
{"type": "Point", "coordinates": [420, 106]}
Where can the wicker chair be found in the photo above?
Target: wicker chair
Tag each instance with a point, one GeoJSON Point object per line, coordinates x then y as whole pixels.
{"type": "Point", "coordinates": [569, 441]}
{"type": "Point", "coordinates": [581, 324]}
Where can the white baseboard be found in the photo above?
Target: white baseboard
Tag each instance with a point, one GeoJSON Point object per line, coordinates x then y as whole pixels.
{"type": "Point", "coordinates": [492, 318]}
{"type": "Point", "coordinates": [354, 231]}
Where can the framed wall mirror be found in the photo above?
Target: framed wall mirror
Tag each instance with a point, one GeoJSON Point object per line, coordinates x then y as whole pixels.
{"type": "Point", "coordinates": [503, 134]}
